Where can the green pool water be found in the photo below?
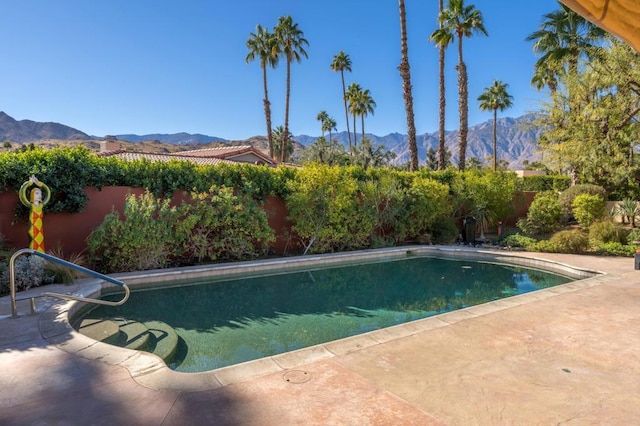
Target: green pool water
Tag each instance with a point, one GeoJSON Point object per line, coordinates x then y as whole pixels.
{"type": "Point", "coordinates": [228, 322]}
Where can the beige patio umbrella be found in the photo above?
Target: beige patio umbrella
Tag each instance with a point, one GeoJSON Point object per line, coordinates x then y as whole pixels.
{"type": "Point", "coordinates": [619, 17]}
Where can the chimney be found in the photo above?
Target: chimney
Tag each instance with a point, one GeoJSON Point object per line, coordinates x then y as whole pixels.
{"type": "Point", "coordinates": [110, 143]}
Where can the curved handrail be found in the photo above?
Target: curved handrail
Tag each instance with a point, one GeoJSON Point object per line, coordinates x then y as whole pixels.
{"type": "Point", "coordinates": [12, 281]}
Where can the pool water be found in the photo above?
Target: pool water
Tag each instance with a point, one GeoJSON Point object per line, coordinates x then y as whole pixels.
{"type": "Point", "coordinates": [228, 322]}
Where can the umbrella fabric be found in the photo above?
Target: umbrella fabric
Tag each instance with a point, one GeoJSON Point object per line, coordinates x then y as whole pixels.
{"type": "Point", "coordinates": [619, 17]}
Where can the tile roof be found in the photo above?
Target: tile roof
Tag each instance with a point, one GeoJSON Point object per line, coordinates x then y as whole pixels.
{"type": "Point", "coordinates": [137, 156]}
{"type": "Point", "coordinates": [206, 156]}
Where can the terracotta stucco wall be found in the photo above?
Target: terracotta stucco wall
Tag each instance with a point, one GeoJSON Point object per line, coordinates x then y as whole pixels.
{"type": "Point", "coordinates": [70, 231]}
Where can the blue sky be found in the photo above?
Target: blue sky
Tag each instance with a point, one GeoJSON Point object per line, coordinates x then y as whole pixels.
{"type": "Point", "coordinates": [157, 66]}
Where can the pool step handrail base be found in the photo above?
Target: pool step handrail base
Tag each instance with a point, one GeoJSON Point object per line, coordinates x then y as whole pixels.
{"type": "Point", "coordinates": [12, 283]}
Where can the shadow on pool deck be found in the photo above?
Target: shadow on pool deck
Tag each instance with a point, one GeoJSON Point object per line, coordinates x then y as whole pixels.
{"type": "Point", "coordinates": [569, 354]}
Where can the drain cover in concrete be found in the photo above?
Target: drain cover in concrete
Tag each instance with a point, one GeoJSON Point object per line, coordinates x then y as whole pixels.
{"type": "Point", "coordinates": [296, 376]}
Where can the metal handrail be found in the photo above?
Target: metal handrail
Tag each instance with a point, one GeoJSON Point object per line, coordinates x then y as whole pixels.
{"type": "Point", "coordinates": [12, 282]}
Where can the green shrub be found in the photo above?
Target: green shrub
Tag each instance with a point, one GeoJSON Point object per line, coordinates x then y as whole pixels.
{"type": "Point", "coordinates": [68, 171]}
{"type": "Point", "coordinates": [220, 225]}
{"type": "Point", "coordinates": [384, 195]}
{"type": "Point", "coordinates": [615, 248]}
{"type": "Point", "coordinates": [543, 216]}
{"type": "Point", "coordinates": [487, 195]}
{"type": "Point", "coordinates": [519, 241]}
{"type": "Point", "coordinates": [144, 238]}
{"type": "Point", "coordinates": [29, 271]}
{"type": "Point", "coordinates": [545, 246]}
{"type": "Point", "coordinates": [444, 231]}
{"type": "Point", "coordinates": [569, 195]}
{"type": "Point", "coordinates": [572, 241]}
{"type": "Point", "coordinates": [423, 203]}
{"type": "Point", "coordinates": [544, 183]}
{"type": "Point", "coordinates": [588, 208]}
{"type": "Point", "coordinates": [607, 232]}
{"type": "Point", "coordinates": [327, 210]}
{"type": "Point", "coordinates": [634, 236]}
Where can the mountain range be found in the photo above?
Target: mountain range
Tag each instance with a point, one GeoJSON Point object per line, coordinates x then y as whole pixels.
{"type": "Point", "coordinates": [516, 139]}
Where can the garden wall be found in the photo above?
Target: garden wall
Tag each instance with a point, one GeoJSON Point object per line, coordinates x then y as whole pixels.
{"type": "Point", "coordinates": [70, 231]}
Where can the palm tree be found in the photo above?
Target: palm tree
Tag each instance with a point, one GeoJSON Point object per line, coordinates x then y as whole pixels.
{"type": "Point", "coordinates": [545, 76]}
{"type": "Point", "coordinates": [342, 62]}
{"type": "Point", "coordinates": [353, 92]}
{"type": "Point", "coordinates": [329, 125]}
{"type": "Point", "coordinates": [563, 37]}
{"type": "Point", "coordinates": [405, 73]}
{"type": "Point", "coordinates": [462, 21]}
{"type": "Point", "coordinates": [442, 39]}
{"type": "Point", "coordinates": [280, 137]}
{"type": "Point", "coordinates": [495, 98]}
{"type": "Point", "coordinates": [364, 105]}
{"type": "Point", "coordinates": [291, 43]}
{"type": "Point", "coordinates": [322, 117]}
{"type": "Point", "coordinates": [262, 45]}
{"type": "Point", "coordinates": [316, 151]}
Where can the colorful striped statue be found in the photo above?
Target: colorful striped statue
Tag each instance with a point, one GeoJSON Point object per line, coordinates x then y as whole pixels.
{"type": "Point", "coordinates": [36, 202]}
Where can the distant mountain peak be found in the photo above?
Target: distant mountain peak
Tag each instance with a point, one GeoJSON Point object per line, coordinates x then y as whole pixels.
{"type": "Point", "coordinates": [516, 139]}
{"type": "Point", "coordinates": [24, 131]}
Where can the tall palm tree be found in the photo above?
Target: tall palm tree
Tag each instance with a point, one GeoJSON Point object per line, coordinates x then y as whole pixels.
{"type": "Point", "coordinates": [405, 73]}
{"type": "Point", "coordinates": [280, 137]}
{"type": "Point", "coordinates": [322, 117]}
{"type": "Point", "coordinates": [353, 92]}
{"type": "Point", "coordinates": [364, 105]}
{"type": "Point", "coordinates": [262, 45]}
{"type": "Point", "coordinates": [545, 76]}
{"type": "Point", "coordinates": [291, 42]}
{"type": "Point", "coordinates": [462, 21]}
{"type": "Point", "coordinates": [495, 98]}
{"type": "Point", "coordinates": [341, 63]}
{"type": "Point", "coordinates": [442, 39]}
{"type": "Point", "coordinates": [329, 125]}
{"type": "Point", "coordinates": [563, 37]}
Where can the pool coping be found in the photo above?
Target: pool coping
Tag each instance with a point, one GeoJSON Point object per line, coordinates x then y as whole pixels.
{"type": "Point", "coordinates": [150, 371]}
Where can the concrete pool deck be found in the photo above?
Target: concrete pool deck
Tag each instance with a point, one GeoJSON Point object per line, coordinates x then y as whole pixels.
{"type": "Point", "coordinates": [568, 354]}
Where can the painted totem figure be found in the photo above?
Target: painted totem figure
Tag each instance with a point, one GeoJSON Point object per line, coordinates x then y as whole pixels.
{"type": "Point", "coordinates": [36, 202]}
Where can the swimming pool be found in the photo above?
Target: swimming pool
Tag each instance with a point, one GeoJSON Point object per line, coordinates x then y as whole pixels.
{"type": "Point", "coordinates": [226, 322]}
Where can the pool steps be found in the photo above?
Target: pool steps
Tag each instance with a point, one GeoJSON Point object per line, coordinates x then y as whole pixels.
{"type": "Point", "coordinates": [155, 337]}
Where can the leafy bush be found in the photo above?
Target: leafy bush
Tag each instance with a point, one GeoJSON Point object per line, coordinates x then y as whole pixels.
{"type": "Point", "coordinates": [544, 183]}
{"type": "Point", "coordinates": [424, 202]}
{"type": "Point", "coordinates": [487, 195]}
{"type": "Point", "coordinates": [615, 248]}
{"type": "Point", "coordinates": [327, 210]}
{"type": "Point", "coordinates": [569, 195]}
{"type": "Point", "coordinates": [444, 230]}
{"type": "Point", "coordinates": [588, 208]}
{"type": "Point", "coordinates": [545, 246]}
{"type": "Point", "coordinates": [152, 234]}
{"type": "Point", "coordinates": [68, 171]}
{"type": "Point", "coordinates": [220, 225]}
{"type": "Point", "coordinates": [144, 238]}
{"type": "Point", "coordinates": [607, 232]}
{"type": "Point", "coordinates": [28, 272]}
{"type": "Point", "coordinates": [543, 216]}
{"type": "Point", "coordinates": [519, 241]}
{"type": "Point", "coordinates": [572, 241]}
{"type": "Point", "coordinates": [634, 236]}
{"type": "Point", "coordinates": [384, 194]}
